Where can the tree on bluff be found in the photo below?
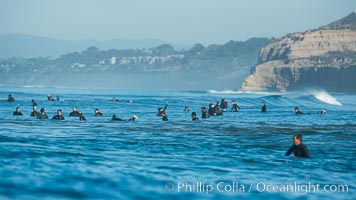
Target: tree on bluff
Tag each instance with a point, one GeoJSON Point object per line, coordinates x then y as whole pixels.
{"type": "Point", "coordinates": [163, 50]}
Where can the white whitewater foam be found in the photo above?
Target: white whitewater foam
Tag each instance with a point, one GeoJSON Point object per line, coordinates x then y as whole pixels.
{"type": "Point", "coordinates": [326, 98]}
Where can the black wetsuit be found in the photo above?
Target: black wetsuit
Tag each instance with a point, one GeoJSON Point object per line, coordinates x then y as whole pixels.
{"type": "Point", "coordinates": [235, 108]}
{"type": "Point", "coordinates": [34, 113]}
{"type": "Point", "coordinates": [264, 108]}
{"type": "Point", "coordinates": [218, 112]}
{"type": "Point", "coordinates": [298, 113]}
{"type": "Point", "coordinates": [195, 118]}
{"type": "Point", "coordinates": [117, 119]}
{"type": "Point", "coordinates": [164, 110]}
{"type": "Point", "coordinates": [299, 151]}
{"type": "Point", "coordinates": [58, 117]}
{"type": "Point", "coordinates": [205, 115]}
{"type": "Point", "coordinates": [82, 118]}
{"type": "Point", "coordinates": [98, 114]}
{"type": "Point", "coordinates": [165, 118]}
{"type": "Point", "coordinates": [212, 111]}
{"type": "Point", "coordinates": [74, 114]}
{"type": "Point", "coordinates": [50, 98]}
{"type": "Point", "coordinates": [17, 113]}
{"type": "Point", "coordinates": [34, 103]}
{"type": "Point", "coordinates": [11, 99]}
{"type": "Point", "coordinates": [223, 104]}
{"type": "Point", "coordinates": [42, 116]}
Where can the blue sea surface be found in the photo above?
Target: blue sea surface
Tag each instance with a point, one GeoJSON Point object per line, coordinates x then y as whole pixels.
{"type": "Point", "coordinates": [240, 155]}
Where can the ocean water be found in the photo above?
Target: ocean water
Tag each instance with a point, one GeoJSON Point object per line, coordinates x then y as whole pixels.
{"type": "Point", "coordinates": [236, 156]}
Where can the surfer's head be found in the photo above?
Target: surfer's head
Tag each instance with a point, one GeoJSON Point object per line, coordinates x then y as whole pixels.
{"type": "Point", "coordinates": [263, 103]}
{"type": "Point", "coordinates": [297, 139]}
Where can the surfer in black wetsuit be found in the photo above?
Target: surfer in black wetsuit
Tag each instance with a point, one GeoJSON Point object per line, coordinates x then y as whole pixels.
{"type": "Point", "coordinates": [263, 107]}
{"type": "Point", "coordinates": [98, 113]}
{"type": "Point", "coordinates": [323, 112]}
{"type": "Point", "coordinates": [212, 109]}
{"type": "Point", "coordinates": [194, 116]}
{"type": "Point", "coordinates": [33, 102]}
{"type": "Point", "coordinates": [132, 118]}
{"type": "Point", "coordinates": [81, 117]}
{"type": "Point", "coordinates": [74, 113]}
{"type": "Point", "coordinates": [235, 107]}
{"type": "Point", "coordinates": [42, 114]}
{"type": "Point", "coordinates": [204, 113]}
{"type": "Point", "coordinates": [10, 98]}
{"type": "Point", "coordinates": [223, 104]}
{"type": "Point", "coordinates": [114, 118]}
{"type": "Point", "coordinates": [17, 112]}
{"type": "Point", "coordinates": [49, 97]}
{"type": "Point", "coordinates": [58, 116]}
{"type": "Point", "coordinates": [34, 113]}
{"type": "Point", "coordinates": [164, 117]}
{"type": "Point", "coordinates": [215, 110]}
{"type": "Point", "coordinates": [299, 149]}
{"type": "Point", "coordinates": [186, 109]}
{"type": "Point", "coordinates": [162, 111]}
{"type": "Point", "coordinates": [297, 111]}
{"type": "Point", "coordinates": [218, 111]}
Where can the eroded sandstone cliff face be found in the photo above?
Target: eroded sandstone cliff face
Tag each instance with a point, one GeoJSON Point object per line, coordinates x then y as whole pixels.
{"type": "Point", "coordinates": [322, 58]}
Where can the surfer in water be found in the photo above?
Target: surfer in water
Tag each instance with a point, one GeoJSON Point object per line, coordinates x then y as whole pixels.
{"type": "Point", "coordinates": [34, 113]}
{"type": "Point", "coordinates": [186, 109]}
{"type": "Point", "coordinates": [235, 107]}
{"type": "Point", "coordinates": [299, 149]}
{"type": "Point", "coordinates": [49, 97]}
{"type": "Point", "coordinates": [164, 117]}
{"type": "Point", "coordinates": [204, 113]}
{"type": "Point", "coordinates": [223, 104]}
{"type": "Point", "coordinates": [58, 116]}
{"type": "Point", "coordinates": [98, 113]}
{"type": "Point", "coordinates": [162, 111]}
{"type": "Point", "coordinates": [132, 118]}
{"type": "Point", "coordinates": [323, 112]}
{"type": "Point", "coordinates": [297, 111]}
{"type": "Point", "coordinates": [194, 116]}
{"type": "Point", "coordinates": [10, 98]}
{"type": "Point", "coordinates": [42, 114]}
{"type": "Point", "coordinates": [81, 117]}
{"type": "Point", "coordinates": [215, 110]}
{"type": "Point", "coordinates": [33, 102]}
{"type": "Point", "coordinates": [263, 107]}
{"type": "Point", "coordinates": [17, 112]}
{"type": "Point", "coordinates": [74, 112]}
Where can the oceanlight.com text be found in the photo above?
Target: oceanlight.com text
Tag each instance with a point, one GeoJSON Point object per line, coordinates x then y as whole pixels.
{"type": "Point", "coordinates": [261, 187]}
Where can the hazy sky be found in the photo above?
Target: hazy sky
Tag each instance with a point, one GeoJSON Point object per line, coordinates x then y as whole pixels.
{"type": "Point", "coordinates": [178, 21]}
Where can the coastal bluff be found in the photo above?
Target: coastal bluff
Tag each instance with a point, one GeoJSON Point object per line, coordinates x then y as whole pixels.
{"type": "Point", "coordinates": [322, 58]}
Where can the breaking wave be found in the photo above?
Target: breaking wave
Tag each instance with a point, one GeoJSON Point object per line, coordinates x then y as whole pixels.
{"type": "Point", "coordinates": [326, 98]}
